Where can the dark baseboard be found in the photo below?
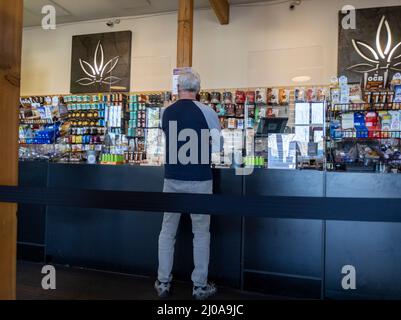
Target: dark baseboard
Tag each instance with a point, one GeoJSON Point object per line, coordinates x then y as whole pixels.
{"type": "Point", "coordinates": [31, 253]}
{"type": "Point", "coordinates": [282, 285]}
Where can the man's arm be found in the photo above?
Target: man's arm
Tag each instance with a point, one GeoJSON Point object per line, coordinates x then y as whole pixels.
{"type": "Point", "coordinates": [214, 125]}
{"type": "Point", "coordinates": [162, 110]}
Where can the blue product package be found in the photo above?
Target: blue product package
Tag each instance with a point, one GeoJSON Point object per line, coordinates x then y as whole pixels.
{"type": "Point", "coordinates": [397, 94]}
{"type": "Point", "coordinates": [360, 125]}
{"type": "Point", "coordinates": [221, 111]}
{"type": "Point", "coordinates": [335, 129]}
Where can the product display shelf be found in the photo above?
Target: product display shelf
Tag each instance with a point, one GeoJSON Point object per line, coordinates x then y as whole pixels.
{"type": "Point", "coordinates": [368, 135]}
{"type": "Point", "coordinates": [87, 131]}
{"type": "Point", "coordinates": [235, 121]}
{"type": "Point", "coordinates": [143, 126]}
{"type": "Point", "coordinates": [363, 106]}
{"type": "Point", "coordinates": [292, 97]}
{"type": "Point", "coordinates": [40, 122]}
{"type": "Point", "coordinates": [364, 136]}
{"type": "Point", "coordinates": [36, 122]}
{"type": "Point", "coordinates": [89, 116]}
{"type": "Point", "coordinates": [288, 87]}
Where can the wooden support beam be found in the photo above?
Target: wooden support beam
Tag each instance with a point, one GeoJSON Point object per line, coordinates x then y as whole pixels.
{"type": "Point", "coordinates": [222, 10]}
{"type": "Point", "coordinates": [10, 66]}
{"type": "Point", "coordinates": [185, 33]}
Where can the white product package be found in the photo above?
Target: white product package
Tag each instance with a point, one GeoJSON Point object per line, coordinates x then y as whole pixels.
{"type": "Point", "coordinates": [395, 120]}
{"type": "Point", "coordinates": [347, 121]}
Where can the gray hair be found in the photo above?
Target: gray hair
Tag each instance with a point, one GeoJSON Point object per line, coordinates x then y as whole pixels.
{"type": "Point", "coordinates": [189, 81]}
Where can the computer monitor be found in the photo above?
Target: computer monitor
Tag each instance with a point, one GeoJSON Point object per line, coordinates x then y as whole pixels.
{"type": "Point", "coordinates": [272, 125]}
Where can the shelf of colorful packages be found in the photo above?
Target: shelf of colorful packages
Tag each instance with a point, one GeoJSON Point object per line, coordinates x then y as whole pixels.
{"type": "Point", "coordinates": [40, 128]}
{"type": "Point", "coordinates": [236, 113]}
{"type": "Point", "coordinates": [364, 128]}
{"type": "Point", "coordinates": [232, 121]}
{"type": "Point", "coordinates": [363, 106]}
{"type": "Point", "coordinates": [90, 118]}
{"type": "Point", "coordinates": [359, 135]}
{"type": "Point", "coordinates": [146, 146]}
{"type": "Point", "coordinates": [281, 139]}
{"type": "Point", "coordinates": [271, 105]}
{"type": "Point", "coordinates": [243, 113]}
{"type": "Point", "coordinates": [105, 125]}
{"type": "Point", "coordinates": [112, 159]}
{"type": "Point", "coordinates": [36, 122]}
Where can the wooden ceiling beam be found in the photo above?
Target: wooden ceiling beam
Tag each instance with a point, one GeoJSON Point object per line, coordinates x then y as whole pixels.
{"type": "Point", "coordinates": [222, 10]}
{"type": "Point", "coordinates": [185, 33]}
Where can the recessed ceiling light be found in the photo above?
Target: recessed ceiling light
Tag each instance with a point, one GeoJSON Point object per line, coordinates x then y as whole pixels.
{"type": "Point", "coordinates": [301, 79]}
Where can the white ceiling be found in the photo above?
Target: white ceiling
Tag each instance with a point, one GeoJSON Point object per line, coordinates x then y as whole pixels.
{"type": "Point", "coordinates": [82, 10]}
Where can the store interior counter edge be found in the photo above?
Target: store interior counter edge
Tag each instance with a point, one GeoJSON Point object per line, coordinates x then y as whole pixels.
{"type": "Point", "coordinates": [275, 256]}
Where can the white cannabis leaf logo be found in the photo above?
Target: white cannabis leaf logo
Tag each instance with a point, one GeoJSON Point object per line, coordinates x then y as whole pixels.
{"type": "Point", "coordinates": [378, 59]}
{"type": "Point", "coordinates": [96, 72]}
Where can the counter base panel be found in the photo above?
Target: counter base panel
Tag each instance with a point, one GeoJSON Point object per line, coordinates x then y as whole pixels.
{"type": "Point", "coordinates": [291, 247]}
{"type": "Point", "coordinates": [276, 256]}
{"type": "Point", "coordinates": [373, 249]}
{"type": "Point", "coordinates": [282, 285]}
{"type": "Point", "coordinates": [31, 237]}
{"type": "Point", "coordinates": [128, 243]}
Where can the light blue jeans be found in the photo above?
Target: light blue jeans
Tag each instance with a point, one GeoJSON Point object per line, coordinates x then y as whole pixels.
{"type": "Point", "coordinates": [200, 230]}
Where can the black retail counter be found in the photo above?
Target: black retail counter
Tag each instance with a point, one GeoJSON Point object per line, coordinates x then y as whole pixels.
{"type": "Point", "coordinates": [301, 258]}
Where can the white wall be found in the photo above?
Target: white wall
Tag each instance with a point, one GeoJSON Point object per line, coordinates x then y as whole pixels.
{"type": "Point", "coordinates": [264, 45]}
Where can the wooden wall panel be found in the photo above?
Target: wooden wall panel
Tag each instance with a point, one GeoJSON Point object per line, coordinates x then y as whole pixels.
{"type": "Point", "coordinates": [10, 65]}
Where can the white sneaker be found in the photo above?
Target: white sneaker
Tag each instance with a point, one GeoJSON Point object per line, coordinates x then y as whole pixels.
{"type": "Point", "coordinates": [203, 293]}
{"type": "Point", "coordinates": [162, 289]}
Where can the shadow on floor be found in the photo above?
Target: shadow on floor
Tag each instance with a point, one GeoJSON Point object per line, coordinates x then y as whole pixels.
{"type": "Point", "coordinates": [83, 284]}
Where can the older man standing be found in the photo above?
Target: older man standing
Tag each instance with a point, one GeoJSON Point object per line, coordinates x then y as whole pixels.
{"type": "Point", "coordinates": [188, 170]}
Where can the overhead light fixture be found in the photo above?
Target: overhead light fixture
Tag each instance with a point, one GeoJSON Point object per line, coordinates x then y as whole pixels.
{"type": "Point", "coordinates": [294, 4]}
{"type": "Point", "coordinates": [301, 79]}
